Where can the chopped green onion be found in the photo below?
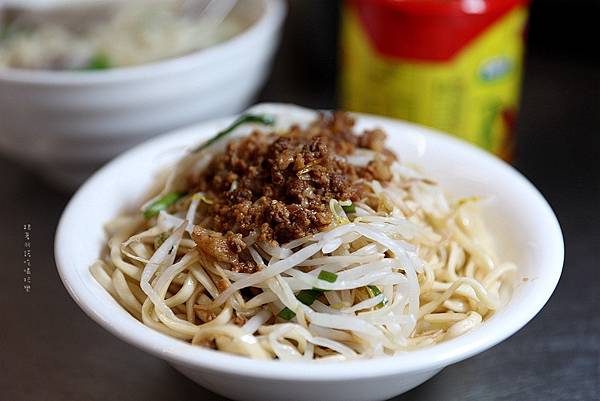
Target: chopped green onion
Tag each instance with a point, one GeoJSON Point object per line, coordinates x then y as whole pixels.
{"type": "Point", "coordinates": [159, 239]}
{"type": "Point", "coordinates": [99, 61]}
{"type": "Point", "coordinates": [243, 119]}
{"type": "Point", "coordinates": [162, 204]}
{"type": "Point", "coordinates": [286, 314]}
{"type": "Point", "coordinates": [327, 276]}
{"type": "Point", "coordinates": [373, 292]}
{"type": "Point", "coordinates": [350, 208]}
{"type": "Point", "coordinates": [307, 297]}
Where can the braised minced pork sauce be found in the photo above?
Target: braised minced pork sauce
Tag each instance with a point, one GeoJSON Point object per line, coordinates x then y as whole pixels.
{"type": "Point", "coordinates": [278, 186]}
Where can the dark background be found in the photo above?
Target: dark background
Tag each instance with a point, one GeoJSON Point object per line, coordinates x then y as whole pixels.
{"type": "Point", "coordinates": [49, 350]}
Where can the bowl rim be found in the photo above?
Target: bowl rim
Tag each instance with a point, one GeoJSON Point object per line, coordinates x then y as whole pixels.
{"type": "Point", "coordinates": [430, 358]}
{"type": "Point", "coordinates": [269, 20]}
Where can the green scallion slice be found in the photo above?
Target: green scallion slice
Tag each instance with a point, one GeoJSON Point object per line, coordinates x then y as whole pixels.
{"type": "Point", "coordinates": [350, 208]}
{"type": "Point", "coordinates": [286, 314]}
{"type": "Point", "coordinates": [327, 276]}
{"type": "Point", "coordinates": [307, 297]}
{"type": "Point", "coordinates": [373, 292]}
{"type": "Point", "coordinates": [99, 61]}
{"type": "Point", "coordinates": [162, 204]}
{"type": "Point", "coordinates": [243, 119]}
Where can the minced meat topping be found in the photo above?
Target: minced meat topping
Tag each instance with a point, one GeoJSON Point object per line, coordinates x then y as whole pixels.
{"type": "Point", "coordinates": [279, 185]}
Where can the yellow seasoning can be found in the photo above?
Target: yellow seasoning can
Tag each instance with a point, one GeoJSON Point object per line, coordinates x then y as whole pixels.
{"type": "Point", "coordinates": [454, 65]}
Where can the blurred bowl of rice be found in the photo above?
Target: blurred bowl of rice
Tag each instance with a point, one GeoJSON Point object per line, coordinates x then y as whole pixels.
{"type": "Point", "coordinates": [71, 99]}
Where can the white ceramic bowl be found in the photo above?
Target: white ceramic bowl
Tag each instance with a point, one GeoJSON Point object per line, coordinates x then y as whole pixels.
{"type": "Point", "coordinates": [66, 124]}
{"type": "Point", "coordinates": [527, 230]}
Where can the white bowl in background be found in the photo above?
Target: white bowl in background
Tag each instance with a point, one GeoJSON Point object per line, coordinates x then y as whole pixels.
{"type": "Point", "coordinates": [65, 124]}
{"type": "Point", "coordinates": [526, 229]}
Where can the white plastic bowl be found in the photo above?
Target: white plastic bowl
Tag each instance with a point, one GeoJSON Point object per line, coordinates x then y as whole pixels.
{"type": "Point", "coordinates": [66, 124]}
{"type": "Point", "coordinates": [527, 231]}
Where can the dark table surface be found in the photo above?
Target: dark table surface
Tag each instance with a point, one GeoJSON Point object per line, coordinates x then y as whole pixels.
{"type": "Point", "coordinates": [49, 350]}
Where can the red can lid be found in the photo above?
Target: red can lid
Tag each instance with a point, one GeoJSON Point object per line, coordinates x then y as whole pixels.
{"type": "Point", "coordinates": [449, 7]}
{"type": "Point", "coordinates": [427, 30]}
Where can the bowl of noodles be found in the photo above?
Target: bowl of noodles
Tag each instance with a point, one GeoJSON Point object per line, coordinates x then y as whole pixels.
{"type": "Point", "coordinates": [298, 255]}
{"type": "Point", "coordinates": [79, 85]}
